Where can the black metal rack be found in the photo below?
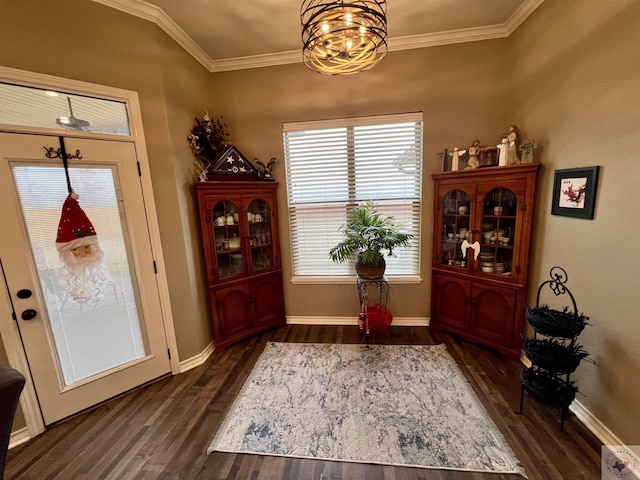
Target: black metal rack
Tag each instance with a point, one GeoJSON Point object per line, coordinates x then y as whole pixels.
{"type": "Point", "coordinates": [553, 350]}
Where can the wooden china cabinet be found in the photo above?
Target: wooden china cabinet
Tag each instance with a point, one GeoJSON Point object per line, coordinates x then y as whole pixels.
{"type": "Point", "coordinates": [239, 227]}
{"type": "Point", "coordinates": [482, 236]}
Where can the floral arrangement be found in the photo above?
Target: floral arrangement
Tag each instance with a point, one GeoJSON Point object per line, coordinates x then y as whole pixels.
{"type": "Point", "coordinates": [208, 137]}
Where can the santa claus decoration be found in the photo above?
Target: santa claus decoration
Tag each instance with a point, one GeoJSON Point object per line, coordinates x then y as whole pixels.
{"type": "Point", "coordinates": [82, 258]}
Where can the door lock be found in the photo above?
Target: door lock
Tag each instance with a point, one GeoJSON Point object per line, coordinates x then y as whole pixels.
{"type": "Point", "coordinates": [24, 293]}
{"type": "Point", "coordinates": [29, 314]}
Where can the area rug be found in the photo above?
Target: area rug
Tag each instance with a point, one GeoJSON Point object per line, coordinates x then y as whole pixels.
{"type": "Point", "coordinates": [385, 404]}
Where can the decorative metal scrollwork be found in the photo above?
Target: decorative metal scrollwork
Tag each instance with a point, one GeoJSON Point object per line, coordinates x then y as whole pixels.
{"type": "Point", "coordinates": [557, 284]}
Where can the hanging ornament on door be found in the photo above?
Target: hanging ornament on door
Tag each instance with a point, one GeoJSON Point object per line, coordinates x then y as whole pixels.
{"type": "Point", "coordinates": [77, 243]}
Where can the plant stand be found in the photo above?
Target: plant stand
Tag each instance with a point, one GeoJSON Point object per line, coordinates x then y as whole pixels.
{"type": "Point", "coordinates": [553, 349]}
{"type": "Point", "coordinates": [373, 317]}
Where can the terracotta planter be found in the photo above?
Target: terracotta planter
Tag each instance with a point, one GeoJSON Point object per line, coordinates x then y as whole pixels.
{"type": "Point", "coordinates": [370, 272]}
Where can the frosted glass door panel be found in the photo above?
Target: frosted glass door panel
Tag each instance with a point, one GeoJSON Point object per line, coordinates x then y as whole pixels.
{"type": "Point", "coordinates": [105, 333]}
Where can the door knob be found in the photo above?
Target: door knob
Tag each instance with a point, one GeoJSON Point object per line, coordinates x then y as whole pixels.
{"type": "Point", "coordinates": [29, 314]}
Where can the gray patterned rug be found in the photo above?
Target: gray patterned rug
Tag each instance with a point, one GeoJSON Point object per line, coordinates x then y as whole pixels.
{"type": "Point", "coordinates": [386, 404]}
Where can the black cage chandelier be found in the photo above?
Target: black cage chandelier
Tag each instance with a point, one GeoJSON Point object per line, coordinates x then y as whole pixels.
{"type": "Point", "coordinates": [341, 37]}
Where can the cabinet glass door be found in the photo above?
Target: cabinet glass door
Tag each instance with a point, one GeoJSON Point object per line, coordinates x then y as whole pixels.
{"type": "Point", "coordinates": [456, 227]}
{"type": "Point", "coordinates": [499, 231]}
{"type": "Point", "coordinates": [226, 230]}
{"type": "Point", "coordinates": [259, 216]}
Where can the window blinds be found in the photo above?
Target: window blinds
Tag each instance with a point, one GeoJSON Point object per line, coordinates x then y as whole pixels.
{"type": "Point", "coordinates": [334, 165]}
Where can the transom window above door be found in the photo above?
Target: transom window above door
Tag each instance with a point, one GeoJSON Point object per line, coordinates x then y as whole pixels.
{"type": "Point", "coordinates": [334, 165]}
{"type": "Point", "coordinates": [40, 108]}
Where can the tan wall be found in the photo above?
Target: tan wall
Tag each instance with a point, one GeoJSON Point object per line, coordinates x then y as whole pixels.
{"type": "Point", "coordinates": [460, 90]}
{"type": "Point", "coordinates": [575, 83]}
{"type": "Point", "coordinates": [186, 88]}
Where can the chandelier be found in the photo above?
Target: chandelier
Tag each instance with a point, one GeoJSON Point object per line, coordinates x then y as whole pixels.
{"type": "Point", "coordinates": [342, 37]}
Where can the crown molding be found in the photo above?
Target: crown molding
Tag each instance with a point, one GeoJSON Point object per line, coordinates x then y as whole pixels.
{"type": "Point", "coordinates": [521, 14]}
{"type": "Point", "coordinates": [256, 61]}
{"type": "Point", "coordinates": [151, 13]}
{"type": "Point", "coordinates": [447, 38]}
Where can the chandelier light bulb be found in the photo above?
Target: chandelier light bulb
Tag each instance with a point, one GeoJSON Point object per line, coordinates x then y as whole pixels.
{"type": "Point", "coordinates": [342, 37]}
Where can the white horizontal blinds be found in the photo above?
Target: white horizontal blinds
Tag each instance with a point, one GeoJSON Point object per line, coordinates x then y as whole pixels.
{"type": "Point", "coordinates": [318, 187]}
{"type": "Point", "coordinates": [334, 165]}
{"type": "Point", "coordinates": [388, 170]}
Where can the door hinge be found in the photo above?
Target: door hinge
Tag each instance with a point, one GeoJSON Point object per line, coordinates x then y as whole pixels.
{"type": "Point", "coordinates": [517, 268]}
{"type": "Point", "coordinates": [13, 315]}
{"type": "Point", "coordinates": [155, 267]}
{"type": "Point", "coordinates": [139, 170]}
{"type": "Point", "coordinates": [523, 207]}
{"type": "Point", "coordinates": [169, 353]}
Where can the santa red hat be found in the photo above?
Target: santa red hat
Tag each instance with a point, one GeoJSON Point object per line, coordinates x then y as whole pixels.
{"type": "Point", "coordinates": [75, 229]}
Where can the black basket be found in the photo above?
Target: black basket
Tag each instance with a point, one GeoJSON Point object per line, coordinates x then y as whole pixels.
{"type": "Point", "coordinates": [555, 323]}
{"type": "Point", "coordinates": [552, 356]}
{"type": "Point", "coordinates": [547, 388]}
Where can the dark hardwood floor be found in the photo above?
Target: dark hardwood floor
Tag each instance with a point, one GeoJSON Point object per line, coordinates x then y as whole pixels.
{"type": "Point", "coordinates": [162, 430]}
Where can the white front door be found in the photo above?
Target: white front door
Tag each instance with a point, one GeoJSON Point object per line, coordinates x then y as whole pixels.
{"type": "Point", "coordinates": [79, 354]}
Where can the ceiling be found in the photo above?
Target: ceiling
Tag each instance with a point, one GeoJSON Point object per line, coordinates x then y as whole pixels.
{"type": "Point", "coordinates": [230, 35]}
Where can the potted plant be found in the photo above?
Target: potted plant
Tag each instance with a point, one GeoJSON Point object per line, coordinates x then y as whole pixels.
{"type": "Point", "coordinates": [367, 236]}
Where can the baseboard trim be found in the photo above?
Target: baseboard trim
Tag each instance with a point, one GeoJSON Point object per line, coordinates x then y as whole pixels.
{"type": "Point", "coordinates": [19, 437]}
{"type": "Point", "coordinates": [197, 360]}
{"type": "Point", "coordinates": [599, 429]}
{"type": "Point", "coordinates": [317, 320]}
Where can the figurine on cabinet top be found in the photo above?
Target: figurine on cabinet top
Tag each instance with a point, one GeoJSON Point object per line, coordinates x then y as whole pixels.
{"type": "Point", "coordinates": [502, 157]}
{"type": "Point", "coordinates": [512, 145]}
{"type": "Point", "coordinates": [457, 156]}
{"type": "Point", "coordinates": [527, 147]}
{"type": "Point", "coordinates": [265, 173]}
{"type": "Point", "coordinates": [503, 154]}
{"type": "Point", "coordinates": [456, 159]}
{"type": "Point", "coordinates": [509, 147]}
{"type": "Point", "coordinates": [474, 151]}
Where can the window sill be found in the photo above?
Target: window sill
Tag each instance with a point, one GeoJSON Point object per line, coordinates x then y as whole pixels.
{"type": "Point", "coordinates": [351, 280]}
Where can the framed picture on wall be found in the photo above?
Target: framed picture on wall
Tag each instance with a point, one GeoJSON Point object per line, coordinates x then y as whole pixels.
{"type": "Point", "coordinates": [574, 192]}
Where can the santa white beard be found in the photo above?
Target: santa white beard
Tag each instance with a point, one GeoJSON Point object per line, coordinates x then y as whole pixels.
{"type": "Point", "coordinates": [84, 276]}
